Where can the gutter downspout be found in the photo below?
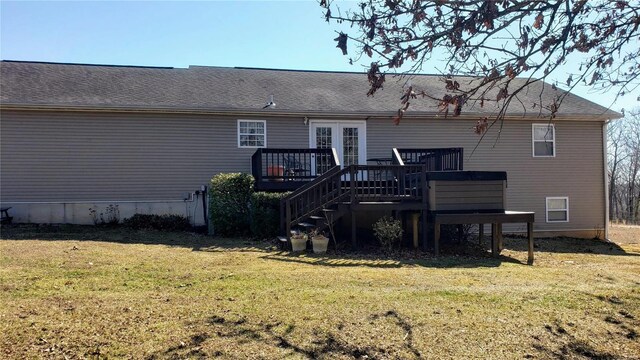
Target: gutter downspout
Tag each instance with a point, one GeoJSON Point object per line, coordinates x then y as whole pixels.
{"type": "Point", "coordinates": [606, 179]}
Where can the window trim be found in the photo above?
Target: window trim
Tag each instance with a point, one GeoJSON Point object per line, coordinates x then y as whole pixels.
{"type": "Point", "coordinates": [534, 141]}
{"type": "Point", "coordinates": [238, 134]}
{"type": "Point", "coordinates": [546, 208]}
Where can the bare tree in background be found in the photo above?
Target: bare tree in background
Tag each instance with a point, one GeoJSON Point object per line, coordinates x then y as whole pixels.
{"type": "Point", "coordinates": [624, 168]}
{"type": "Point", "coordinates": [494, 42]}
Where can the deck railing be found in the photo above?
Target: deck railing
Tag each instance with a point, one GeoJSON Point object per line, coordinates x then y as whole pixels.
{"type": "Point", "coordinates": [386, 182]}
{"type": "Point", "coordinates": [354, 184]}
{"type": "Point", "coordinates": [308, 200]}
{"type": "Point", "coordinates": [288, 169]}
{"type": "Point", "coordinates": [443, 159]}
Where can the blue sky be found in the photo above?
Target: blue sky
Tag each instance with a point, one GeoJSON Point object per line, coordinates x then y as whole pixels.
{"type": "Point", "coordinates": [270, 34]}
{"type": "Point", "coordinates": [278, 34]}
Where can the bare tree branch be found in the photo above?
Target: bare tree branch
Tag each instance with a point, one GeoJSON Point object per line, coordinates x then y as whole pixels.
{"type": "Point", "coordinates": [495, 42]}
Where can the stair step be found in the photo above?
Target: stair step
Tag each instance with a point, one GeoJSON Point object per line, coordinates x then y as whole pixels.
{"type": "Point", "coordinates": [306, 225]}
{"type": "Point", "coordinates": [329, 210]}
{"type": "Point", "coordinates": [282, 238]}
{"type": "Point", "coordinates": [314, 217]}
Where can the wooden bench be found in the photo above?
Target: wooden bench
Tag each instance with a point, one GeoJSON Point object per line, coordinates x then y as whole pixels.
{"type": "Point", "coordinates": [495, 219]}
{"type": "Point", "coordinates": [5, 218]}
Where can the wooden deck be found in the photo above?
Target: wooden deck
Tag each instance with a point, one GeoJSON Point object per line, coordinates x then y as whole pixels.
{"type": "Point", "coordinates": [428, 183]}
{"type": "Point", "coordinates": [290, 169]}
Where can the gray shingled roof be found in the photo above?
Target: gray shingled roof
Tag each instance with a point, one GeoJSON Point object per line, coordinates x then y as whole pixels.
{"type": "Point", "coordinates": [239, 89]}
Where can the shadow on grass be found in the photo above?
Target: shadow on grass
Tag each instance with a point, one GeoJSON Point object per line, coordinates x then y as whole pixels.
{"type": "Point", "coordinates": [274, 335]}
{"type": "Point", "coordinates": [559, 342]}
{"type": "Point", "coordinates": [466, 255]}
{"type": "Point", "coordinates": [116, 234]}
{"type": "Point", "coordinates": [382, 261]}
{"type": "Point", "coordinates": [567, 245]}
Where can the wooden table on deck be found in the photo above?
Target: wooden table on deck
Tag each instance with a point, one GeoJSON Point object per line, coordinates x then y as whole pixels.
{"type": "Point", "coordinates": [377, 174]}
{"type": "Point", "coordinates": [495, 219]}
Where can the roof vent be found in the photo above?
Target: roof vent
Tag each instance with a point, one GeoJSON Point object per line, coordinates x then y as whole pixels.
{"type": "Point", "coordinates": [270, 104]}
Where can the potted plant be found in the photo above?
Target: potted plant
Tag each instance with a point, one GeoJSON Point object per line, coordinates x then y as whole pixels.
{"type": "Point", "coordinates": [319, 242]}
{"type": "Point", "coordinates": [298, 241]}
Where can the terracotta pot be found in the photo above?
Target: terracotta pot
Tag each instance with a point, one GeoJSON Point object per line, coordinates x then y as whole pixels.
{"type": "Point", "coordinates": [298, 243]}
{"type": "Point", "coordinates": [320, 244]}
{"type": "Point", "coordinates": [276, 171]}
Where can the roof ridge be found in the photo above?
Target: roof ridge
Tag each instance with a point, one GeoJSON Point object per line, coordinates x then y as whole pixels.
{"type": "Point", "coordinates": [226, 67]}
{"type": "Point", "coordinates": [327, 71]}
{"type": "Point", "coordinates": [85, 64]}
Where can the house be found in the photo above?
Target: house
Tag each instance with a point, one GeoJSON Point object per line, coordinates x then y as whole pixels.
{"type": "Point", "coordinates": [78, 136]}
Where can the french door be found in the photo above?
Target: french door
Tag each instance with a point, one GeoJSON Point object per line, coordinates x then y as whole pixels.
{"type": "Point", "coordinates": [348, 137]}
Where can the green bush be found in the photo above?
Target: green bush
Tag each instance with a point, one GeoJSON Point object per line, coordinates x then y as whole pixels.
{"type": "Point", "coordinates": [265, 214]}
{"type": "Point", "coordinates": [157, 222]}
{"type": "Point", "coordinates": [388, 231]}
{"type": "Point", "coordinates": [229, 196]}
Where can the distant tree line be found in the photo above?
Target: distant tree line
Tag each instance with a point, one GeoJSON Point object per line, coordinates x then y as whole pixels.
{"type": "Point", "coordinates": [624, 168]}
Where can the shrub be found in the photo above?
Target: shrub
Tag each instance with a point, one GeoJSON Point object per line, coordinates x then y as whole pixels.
{"type": "Point", "coordinates": [265, 214]}
{"type": "Point", "coordinates": [229, 196]}
{"type": "Point", "coordinates": [157, 222]}
{"type": "Point", "coordinates": [388, 231]}
{"type": "Point", "coordinates": [112, 215]}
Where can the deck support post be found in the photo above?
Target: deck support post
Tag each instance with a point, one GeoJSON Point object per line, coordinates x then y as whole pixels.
{"type": "Point", "coordinates": [530, 239]}
{"type": "Point", "coordinates": [288, 219]}
{"type": "Point", "coordinates": [425, 232]}
{"type": "Point", "coordinates": [494, 239]}
{"type": "Point", "coordinates": [283, 218]}
{"type": "Point", "coordinates": [414, 223]}
{"type": "Point", "coordinates": [436, 238]}
{"type": "Point", "coordinates": [480, 233]}
{"type": "Point", "coordinates": [353, 230]}
{"type": "Point", "coordinates": [500, 238]}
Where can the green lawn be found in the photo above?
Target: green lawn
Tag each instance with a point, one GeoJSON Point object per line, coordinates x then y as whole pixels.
{"type": "Point", "coordinates": [81, 292]}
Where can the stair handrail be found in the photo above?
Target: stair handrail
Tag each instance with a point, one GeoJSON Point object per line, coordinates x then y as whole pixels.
{"type": "Point", "coordinates": [396, 158]}
{"type": "Point", "coordinates": [288, 219]}
{"type": "Point", "coordinates": [311, 184]}
{"type": "Point", "coordinates": [334, 168]}
{"type": "Point", "coordinates": [285, 208]}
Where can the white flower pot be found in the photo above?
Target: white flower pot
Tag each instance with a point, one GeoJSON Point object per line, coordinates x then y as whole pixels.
{"type": "Point", "coordinates": [298, 243]}
{"type": "Point", "coordinates": [320, 244]}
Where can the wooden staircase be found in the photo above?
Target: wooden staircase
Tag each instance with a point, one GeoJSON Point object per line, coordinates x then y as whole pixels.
{"type": "Point", "coordinates": [316, 205]}
{"type": "Point", "coordinates": [323, 201]}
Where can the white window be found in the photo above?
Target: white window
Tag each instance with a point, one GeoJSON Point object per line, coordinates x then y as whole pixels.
{"type": "Point", "coordinates": [557, 209]}
{"type": "Point", "coordinates": [544, 140]}
{"type": "Point", "coordinates": [252, 133]}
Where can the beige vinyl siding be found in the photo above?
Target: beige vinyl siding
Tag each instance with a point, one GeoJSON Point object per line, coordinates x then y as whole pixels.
{"type": "Point", "coordinates": [75, 156]}
{"type": "Point", "coordinates": [91, 156]}
{"type": "Point", "coordinates": [576, 171]}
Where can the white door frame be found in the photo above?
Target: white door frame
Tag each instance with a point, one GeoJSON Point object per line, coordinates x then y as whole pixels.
{"type": "Point", "coordinates": [337, 126]}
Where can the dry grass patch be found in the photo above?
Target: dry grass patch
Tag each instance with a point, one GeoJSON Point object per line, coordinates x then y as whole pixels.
{"type": "Point", "coordinates": [87, 292]}
{"type": "Point", "coordinates": [625, 234]}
